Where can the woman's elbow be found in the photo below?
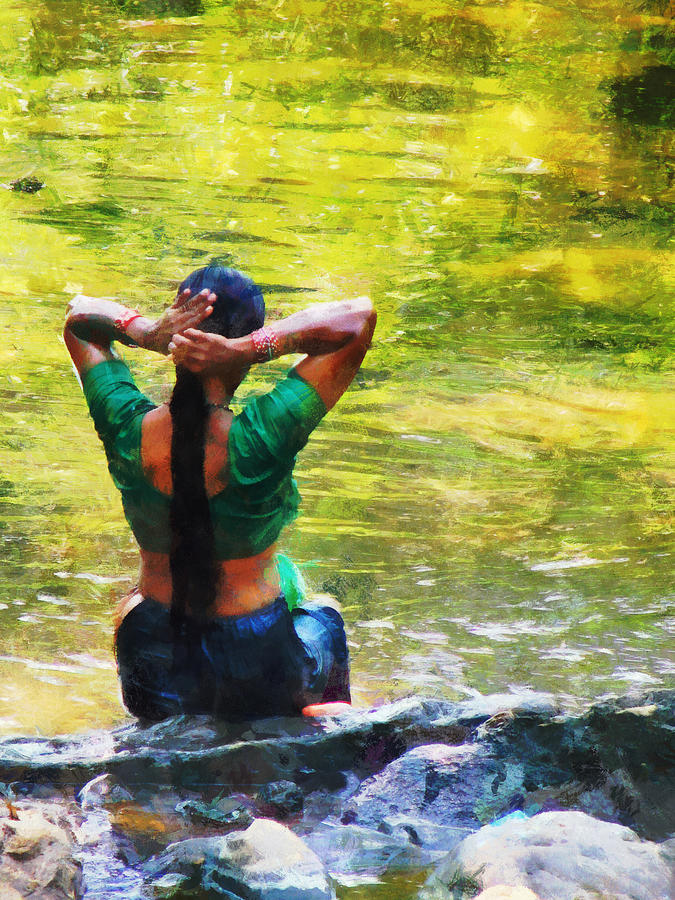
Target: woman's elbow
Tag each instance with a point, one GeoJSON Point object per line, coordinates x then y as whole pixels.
{"type": "Point", "coordinates": [368, 320]}
{"type": "Point", "coordinates": [365, 317]}
{"type": "Point", "coordinates": [68, 325]}
{"type": "Point", "coordinates": [72, 327]}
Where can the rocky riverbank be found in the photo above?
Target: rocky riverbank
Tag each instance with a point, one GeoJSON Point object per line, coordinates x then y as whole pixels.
{"type": "Point", "coordinates": [496, 797]}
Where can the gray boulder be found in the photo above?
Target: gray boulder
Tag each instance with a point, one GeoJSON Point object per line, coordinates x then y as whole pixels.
{"type": "Point", "coordinates": [615, 760]}
{"type": "Point", "coordinates": [264, 862]}
{"type": "Point", "coordinates": [407, 816]}
{"type": "Point", "coordinates": [559, 856]}
{"type": "Point", "coordinates": [436, 784]}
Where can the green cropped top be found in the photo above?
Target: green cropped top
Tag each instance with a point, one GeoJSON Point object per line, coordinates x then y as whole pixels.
{"type": "Point", "coordinates": [261, 496]}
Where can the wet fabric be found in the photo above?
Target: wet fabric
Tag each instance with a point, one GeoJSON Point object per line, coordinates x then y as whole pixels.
{"type": "Point", "coordinates": [261, 496]}
{"type": "Point", "coordinates": [271, 662]}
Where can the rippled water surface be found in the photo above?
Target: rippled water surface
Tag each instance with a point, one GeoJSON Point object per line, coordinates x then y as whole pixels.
{"type": "Point", "coordinates": [492, 500]}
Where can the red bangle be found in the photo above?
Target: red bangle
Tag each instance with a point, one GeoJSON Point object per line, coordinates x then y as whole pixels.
{"type": "Point", "coordinates": [125, 317]}
{"type": "Point", "coordinates": [123, 321]}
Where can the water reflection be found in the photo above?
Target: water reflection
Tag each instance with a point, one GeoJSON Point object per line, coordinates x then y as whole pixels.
{"type": "Point", "coordinates": [497, 177]}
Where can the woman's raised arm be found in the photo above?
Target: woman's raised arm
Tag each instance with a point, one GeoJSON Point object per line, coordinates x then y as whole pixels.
{"type": "Point", "coordinates": [93, 324]}
{"type": "Point", "coordinates": [335, 337]}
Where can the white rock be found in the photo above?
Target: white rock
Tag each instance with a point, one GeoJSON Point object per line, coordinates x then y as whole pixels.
{"type": "Point", "coordinates": [37, 855]}
{"type": "Point", "coordinates": [504, 892]}
{"type": "Point", "coordinates": [7, 892]}
{"type": "Point", "coordinates": [267, 860]}
{"type": "Point", "coordinates": [32, 833]}
{"type": "Point", "coordinates": [563, 856]}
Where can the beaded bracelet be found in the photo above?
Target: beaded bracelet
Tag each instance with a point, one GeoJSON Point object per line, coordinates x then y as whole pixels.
{"type": "Point", "coordinates": [265, 344]}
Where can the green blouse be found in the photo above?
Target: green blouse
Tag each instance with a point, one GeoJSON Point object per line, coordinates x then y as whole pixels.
{"type": "Point", "coordinates": [261, 496]}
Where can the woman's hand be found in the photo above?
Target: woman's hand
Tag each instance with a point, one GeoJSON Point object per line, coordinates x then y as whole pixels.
{"type": "Point", "coordinates": [185, 312]}
{"type": "Point", "coordinates": [102, 321]}
{"type": "Point", "coordinates": [200, 352]}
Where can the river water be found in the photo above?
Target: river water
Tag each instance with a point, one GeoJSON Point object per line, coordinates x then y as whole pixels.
{"type": "Point", "coordinates": [492, 500]}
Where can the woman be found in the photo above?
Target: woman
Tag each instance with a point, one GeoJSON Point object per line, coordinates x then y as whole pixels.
{"type": "Point", "coordinates": [207, 493]}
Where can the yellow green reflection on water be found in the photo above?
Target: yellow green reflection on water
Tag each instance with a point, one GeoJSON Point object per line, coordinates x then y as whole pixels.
{"type": "Point", "coordinates": [493, 499]}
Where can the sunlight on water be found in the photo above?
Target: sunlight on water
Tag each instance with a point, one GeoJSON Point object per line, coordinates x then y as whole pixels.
{"type": "Point", "coordinates": [492, 501]}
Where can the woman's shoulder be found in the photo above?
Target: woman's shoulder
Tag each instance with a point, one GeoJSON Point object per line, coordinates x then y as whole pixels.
{"type": "Point", "coordinates": [274, 426]}
{"type": "Point", "coordinates": [118, 409]}
{"type": "Point", "coordinates": [111, 378]}
{"type": "Point", "coordinates": [292, 398]}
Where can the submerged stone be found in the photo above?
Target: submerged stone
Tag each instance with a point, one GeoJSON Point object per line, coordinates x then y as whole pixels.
{"type": "Point", "coordinates": [103, 790]}
{"type": "Point", "coordinates": [225, 814]}
{"type": "Point", "coordinates": [146, 8]}
{"type": "Point", "coordinates": [280, 799]}
{"type": "Point", "coordinates": [169, 886]}
{"type": "Point", "coordinates": [505, 892]}
{"type": "Point", "coordinates": [29, 184]}
{"type": "Point", "coordinates": [354, 853]}
{"type": "Point", "coordinates": [645, 98]}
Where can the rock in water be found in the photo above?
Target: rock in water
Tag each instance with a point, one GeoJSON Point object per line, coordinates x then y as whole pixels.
{"type": "Point", "coordinates": [226, 814]}
{"type": "Point", "coordinates": [559, 856]}
{"type": "Point", "coordinates": [435, 783]}
{"type": "Point", "coordinates": [280, 799]}
{"type": "Point", "coordinates": [264, 862]}
{"type": "Point", "coordinates": [38, 856]}
{"type": "Point", "coordinates": [407, 816]}
{"type": "Point", "coordinates": [504, 892]}
{"type": "Point", "coordinates": [354, 854]}
{"type": "Point", "coordinates": [29, 184]}
{"type": "Point", "coordinates": [103, 791]}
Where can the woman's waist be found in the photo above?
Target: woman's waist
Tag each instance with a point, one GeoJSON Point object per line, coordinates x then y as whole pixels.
{"type": "Point", "coordinates": [243, 585]}
{"type": "Point", "coordinates": [238, 626]}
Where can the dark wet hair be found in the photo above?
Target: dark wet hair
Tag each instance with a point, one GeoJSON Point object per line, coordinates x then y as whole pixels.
{"type": "Point", "coordinates": [238, 310]}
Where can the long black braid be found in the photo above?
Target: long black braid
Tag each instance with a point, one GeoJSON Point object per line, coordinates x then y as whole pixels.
{"type": "Point", "coordinates": [238, 310]}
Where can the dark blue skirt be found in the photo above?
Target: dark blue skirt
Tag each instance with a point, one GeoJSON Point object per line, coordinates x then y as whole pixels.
{"type": "Point", "coordinates": [271, 662]}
